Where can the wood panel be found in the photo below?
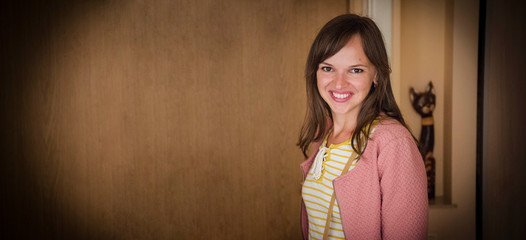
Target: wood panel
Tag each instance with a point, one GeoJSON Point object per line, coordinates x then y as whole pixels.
{"type": "Point", "coordinates": [503, 146]}
{"type": "Point", "coordinates": [155, 120]}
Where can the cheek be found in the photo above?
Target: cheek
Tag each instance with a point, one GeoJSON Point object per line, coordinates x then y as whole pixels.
{"type": "Point", "coordinates": [320, 88]}
{"type": "Point", "coordinates": [319, 81]}
{"type": "Point", "coordinates": [365, 83]}
{"type": "Point", "coordinates": [322, 80]}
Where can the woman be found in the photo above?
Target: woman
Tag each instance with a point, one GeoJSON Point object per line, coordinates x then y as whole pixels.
{"type": "Point", "coordinates": [374, 188]}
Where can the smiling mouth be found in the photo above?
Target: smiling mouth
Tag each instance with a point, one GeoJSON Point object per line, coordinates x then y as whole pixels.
{"type": "Point", "coordinates": [341, 95]}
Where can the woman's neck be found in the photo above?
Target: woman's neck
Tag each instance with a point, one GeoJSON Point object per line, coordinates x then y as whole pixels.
{"type": "Point", "coordinates": [344, 122]}
{"type": "Point", "coordinates": [343, 128]}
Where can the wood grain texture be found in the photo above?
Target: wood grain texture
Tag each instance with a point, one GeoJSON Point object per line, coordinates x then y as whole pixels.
{"type": "Point", "coordinates": [503, 147]}
{"type": "Point", "coordinates": [155, 120]}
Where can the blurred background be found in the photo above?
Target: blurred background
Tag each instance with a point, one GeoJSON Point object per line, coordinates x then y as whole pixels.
{"type": "Point", "coordinates": [178, 119]}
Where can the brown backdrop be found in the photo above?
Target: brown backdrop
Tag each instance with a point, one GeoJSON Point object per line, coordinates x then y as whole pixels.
{"type": "Point", "coordinates": [154, 120]}
{"type": "Point", "coordinates": [502, 143]}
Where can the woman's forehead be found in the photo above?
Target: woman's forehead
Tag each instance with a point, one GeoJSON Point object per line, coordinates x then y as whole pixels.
{"type": "Point", "coordinates": [352, 53]}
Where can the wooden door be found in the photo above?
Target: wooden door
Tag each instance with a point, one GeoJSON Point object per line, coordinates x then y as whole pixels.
{"type": "Point", "coordinates": [155, 119]}
{"type": "Point", "coordinates": [501, 147]}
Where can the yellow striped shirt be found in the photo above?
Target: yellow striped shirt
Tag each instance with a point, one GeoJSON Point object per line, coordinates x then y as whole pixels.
{"type": "Point", "coordinates": [317, 193]}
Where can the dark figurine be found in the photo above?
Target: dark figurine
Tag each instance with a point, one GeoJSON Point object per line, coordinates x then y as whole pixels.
{"type": "Point", "coordinates": [424, 104]}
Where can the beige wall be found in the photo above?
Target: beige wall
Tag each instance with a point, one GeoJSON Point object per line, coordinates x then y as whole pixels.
{"type": "Point", "coordinates": [438, 42]}
{"type": "Point", "coordinates": [423, 59]}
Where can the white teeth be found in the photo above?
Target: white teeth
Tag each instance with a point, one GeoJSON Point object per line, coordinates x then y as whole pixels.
{"type": "Point", "coordinates": [338, 95]}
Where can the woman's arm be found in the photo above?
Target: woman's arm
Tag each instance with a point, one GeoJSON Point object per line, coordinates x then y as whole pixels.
{"type": "Point", "coordinates": [403, 184]}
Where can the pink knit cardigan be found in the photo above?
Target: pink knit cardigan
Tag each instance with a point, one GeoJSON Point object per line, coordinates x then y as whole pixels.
{"type": "Point", "coordinates": [385, 195]}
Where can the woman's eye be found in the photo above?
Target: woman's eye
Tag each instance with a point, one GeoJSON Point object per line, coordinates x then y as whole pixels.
{"type": "Point", "coordinates": [356, 70]}
{"type": "Point", "coordinates": [326, 69]}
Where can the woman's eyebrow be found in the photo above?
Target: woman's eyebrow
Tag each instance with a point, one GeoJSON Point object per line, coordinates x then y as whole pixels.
{"type": "Point", "coordinates": [351, 66]}
{"type": "Point", "coordinates": [358, 65]}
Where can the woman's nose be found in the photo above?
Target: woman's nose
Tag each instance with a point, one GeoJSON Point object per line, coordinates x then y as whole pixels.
{"type": "Point", "coordinates": [340, 81]}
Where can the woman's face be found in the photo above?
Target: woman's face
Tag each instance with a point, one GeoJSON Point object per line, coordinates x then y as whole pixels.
{"type": "Point", "coordinates": [344, 80]}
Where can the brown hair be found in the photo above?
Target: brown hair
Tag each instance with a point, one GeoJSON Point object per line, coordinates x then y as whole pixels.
{"type": "Point", "coordinates": [331, 39]}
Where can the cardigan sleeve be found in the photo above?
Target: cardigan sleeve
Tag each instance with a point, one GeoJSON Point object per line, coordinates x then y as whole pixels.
{"type": "Point", "coordinates": [403, 186]}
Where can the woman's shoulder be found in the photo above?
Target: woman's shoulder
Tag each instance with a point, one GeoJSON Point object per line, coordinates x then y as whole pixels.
{"type": "Point", "coordinates": [392, 140]}
{"type": "Point", "coordinates": [388, 130]}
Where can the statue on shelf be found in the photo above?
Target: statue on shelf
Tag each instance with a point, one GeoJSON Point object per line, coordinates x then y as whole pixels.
{"type": "Point", "coordinates": [424, 104]}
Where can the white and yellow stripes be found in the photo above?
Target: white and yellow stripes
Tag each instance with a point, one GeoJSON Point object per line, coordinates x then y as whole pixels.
{"type": "Point", "coordinates": [317, 193]}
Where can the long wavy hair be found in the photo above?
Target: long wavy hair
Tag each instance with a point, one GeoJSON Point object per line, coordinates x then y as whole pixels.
{"type": "Point", "coordinates": [331, 39]}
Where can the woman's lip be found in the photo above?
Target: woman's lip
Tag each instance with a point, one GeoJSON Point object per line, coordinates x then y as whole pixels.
{"type": "Point", "coordinates": [338, 96]}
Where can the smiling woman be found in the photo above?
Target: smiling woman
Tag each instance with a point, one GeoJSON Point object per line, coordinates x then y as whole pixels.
{"type": "Point", "coordinates": [344, 80]}
{"type": "Point", "coordinates": [353, 123]}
